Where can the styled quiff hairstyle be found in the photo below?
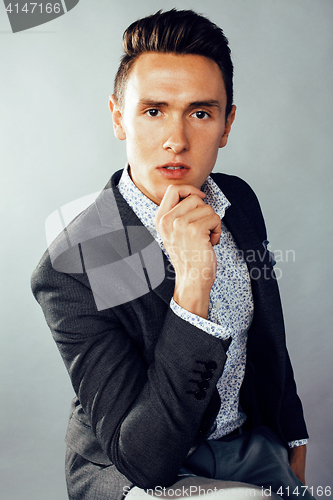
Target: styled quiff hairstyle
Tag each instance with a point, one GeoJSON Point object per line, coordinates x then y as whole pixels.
{"type": "Point", "coordinates": [177, 32]}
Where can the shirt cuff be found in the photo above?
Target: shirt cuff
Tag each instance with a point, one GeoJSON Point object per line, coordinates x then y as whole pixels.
{"type": "Point", "coordinates": [298, 442]}
{"type": "Point", "coordinates": [202, 323]}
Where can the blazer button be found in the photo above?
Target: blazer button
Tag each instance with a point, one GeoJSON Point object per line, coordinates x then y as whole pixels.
{"type": "Point", "coordinates": [211, 365]}
{"type": "Point", "coordinates": [200, 395]}
{"type": "Point", "coordinates": [206, 375]}
{"type": "Point", "coordinates": [204, 384]}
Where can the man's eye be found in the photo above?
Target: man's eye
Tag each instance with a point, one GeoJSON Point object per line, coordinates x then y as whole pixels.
{"type": "Point", "coordinates": [153, 112]}
{"type": "Point", "coordinates": [201, 114]}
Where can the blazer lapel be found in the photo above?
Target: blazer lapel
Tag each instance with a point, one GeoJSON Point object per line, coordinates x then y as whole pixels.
{"type": "Point", "coordinates": [255, 253]}
{"type": "Point", "coordinates": [267, 329]}
{"type": "Point", "coordinates": [247, 239]}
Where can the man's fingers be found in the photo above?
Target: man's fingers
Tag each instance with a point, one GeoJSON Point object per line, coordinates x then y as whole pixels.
{"type": "Point", "coordinates": [183, 205]}
{"type": "Point", "coordinates": [213, 223]}
{"type": "Point", "coordinates": [173, 195]}
{"type": "Point", "coordinates": [200, 221]}
{"type": "Point", "coordinates": [215, 236]}
{"type": "Point", "coordinates": [203, 214]}
{"type": "Point", "coordinates": [187, 209]}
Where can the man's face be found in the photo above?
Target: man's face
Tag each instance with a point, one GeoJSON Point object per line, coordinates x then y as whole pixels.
{"type": "Point", "coordinates": [173, 120]}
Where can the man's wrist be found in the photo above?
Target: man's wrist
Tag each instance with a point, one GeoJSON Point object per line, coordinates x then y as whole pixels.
{"type": "Point", "coordinates": [193, 298]}
{"type": "Point", "coordinates": [195, 305]}
{"type": "Point", "coordinates": [297, 461]}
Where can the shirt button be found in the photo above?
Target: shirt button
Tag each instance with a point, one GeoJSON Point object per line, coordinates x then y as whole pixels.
{"type": "Point", "coordinates": [217, 305]}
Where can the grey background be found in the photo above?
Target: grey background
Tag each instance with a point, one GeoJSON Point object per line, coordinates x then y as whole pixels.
{"type": "Point", "coordinates": [57, 145]}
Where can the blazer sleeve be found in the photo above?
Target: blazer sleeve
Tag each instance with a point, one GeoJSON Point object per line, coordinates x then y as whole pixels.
{"type": "Point", "coordinates": [144, 412]}
{"type": "Point", "coordinates": [292, 421]}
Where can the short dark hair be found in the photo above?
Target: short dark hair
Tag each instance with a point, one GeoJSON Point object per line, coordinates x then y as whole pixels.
{"type": "Point", "coordinates": [178, 32]}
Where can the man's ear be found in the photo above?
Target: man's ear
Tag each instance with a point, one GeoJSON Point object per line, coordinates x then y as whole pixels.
{"type": "Point", "coordinates": [117, 118]}
{"type": "Point", "coordinates": [227, 128]}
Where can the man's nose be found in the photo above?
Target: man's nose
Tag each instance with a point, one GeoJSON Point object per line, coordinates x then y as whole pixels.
{"type": "Point", "coordinates": [177, 139]}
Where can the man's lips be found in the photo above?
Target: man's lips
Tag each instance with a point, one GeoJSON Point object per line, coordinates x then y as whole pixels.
{"type": "Point", "coordinates": [174, 166]}
{"type": "Point", "coordinates": [174, 170]}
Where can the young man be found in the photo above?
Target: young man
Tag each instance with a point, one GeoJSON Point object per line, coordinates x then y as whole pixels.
{"type": "Point", "coordinates": [162, 297]}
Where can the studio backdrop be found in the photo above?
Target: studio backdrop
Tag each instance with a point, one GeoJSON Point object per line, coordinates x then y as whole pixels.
{"type": "Point", "coordinates": [57, 145]}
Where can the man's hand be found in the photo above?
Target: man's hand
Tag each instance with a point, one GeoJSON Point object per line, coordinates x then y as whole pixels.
{"type": "Point", "coordinates": [189, 228]}
{"type": "Point", "coordinates": [297, 461]}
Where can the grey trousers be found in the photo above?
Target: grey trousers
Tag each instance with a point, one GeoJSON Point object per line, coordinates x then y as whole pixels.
{"type": "Point", "coordinates": [255, 457]}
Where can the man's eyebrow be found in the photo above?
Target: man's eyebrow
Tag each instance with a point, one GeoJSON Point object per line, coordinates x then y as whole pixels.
{"type": "Point", "coordinates": [152, 102]}
{"type": "Point", "coordinates": [210, 103]}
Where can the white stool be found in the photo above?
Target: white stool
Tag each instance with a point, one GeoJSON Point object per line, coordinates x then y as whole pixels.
{"type": "Point", "coordinates": [199, 487]}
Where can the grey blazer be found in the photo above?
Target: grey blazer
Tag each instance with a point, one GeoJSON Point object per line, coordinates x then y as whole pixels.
{"type": "Point", "coordinates": [135, 366]}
